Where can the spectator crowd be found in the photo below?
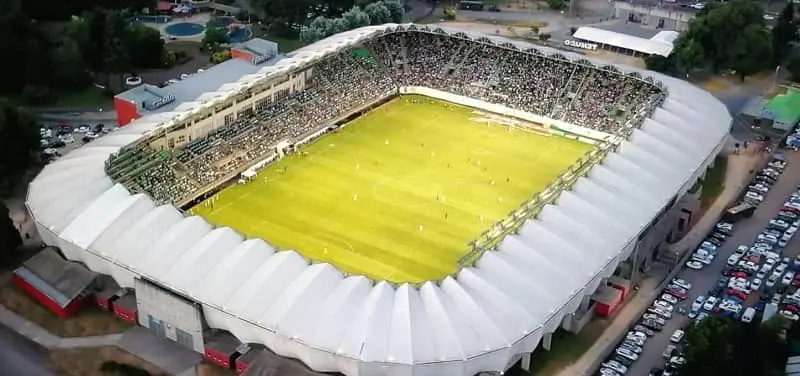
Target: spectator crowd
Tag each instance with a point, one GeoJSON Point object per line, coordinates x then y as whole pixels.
{"type": "Point", "coordinates": [550, 86]}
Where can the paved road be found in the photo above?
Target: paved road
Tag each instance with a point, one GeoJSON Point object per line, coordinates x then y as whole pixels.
{"type": "Point", "coordinates": [20, 356]}
{"type": "Point", "coordinates": [704, 280]}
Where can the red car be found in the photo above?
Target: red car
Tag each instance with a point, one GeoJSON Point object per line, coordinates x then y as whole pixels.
{"type": "Point", "coordinates": [676, 292]}
{"type": "Point", "coordinates": [737, 293]}
{"type": "Point", "coordinates": [739, 275]}
{"type": "Point", "coordinates": [791, 308]}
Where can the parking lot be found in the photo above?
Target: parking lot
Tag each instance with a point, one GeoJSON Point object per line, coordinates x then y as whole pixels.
{"type": "Point", "coordinates": [744, 232]}
{"type": "Point", "coordinates": [58, 139]}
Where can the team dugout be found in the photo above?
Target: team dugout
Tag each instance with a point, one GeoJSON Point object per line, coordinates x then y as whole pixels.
{"type": "Point", "coordinates": [590, 38]}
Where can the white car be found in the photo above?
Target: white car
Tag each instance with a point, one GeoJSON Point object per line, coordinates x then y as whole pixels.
{"type": "Point", "coordinates": [781, 267]}
{"type": "Point", "coordinates": [697, 304]}
{"type": "Point", "coordinates": [767, 239]}
{"type": "Point", "coordinates": [734, 259]}
{"type": "Point", "coordinates": [787, 278]}
{"type": "Point", "coordinates": [677, 336]}
{"type": "Point", "coordinates": [664, 305]}
{"type": "Point", "coordinates": [742, 249]}
{"type": "Point", "coordinates": [694, 265]}
{"type": "Point", "coordinates": [710, 303]}
{"type": "Point", "coordinates": [661, 312]}
{"type": "Point", "coordinates": [669, 299]}
{"type": "Point", "coordinates": [753, 196]}
{"type": "Point", "coordinates": [755, 284]}
{"type": "Point", "coordinates": [703, 260]}
{"type": "Point", "coordinates": [778, 224]}
{"type": "Point", "coordinates": [615, 365]}
{"type": "Point", "coordinates": [67, 139]}
{"type": "Point", "coordinates": [682, 283]}
{"type": "Point", "coordinates": [749, 265]}
{"type": "Point", "coordinates": [772, 280]}
{"type": "Point", "coordinates": [760, 188]}
{"type": "Point", "coordinates": [628, 354]}
{"type": "Point", "coordinates": [82, 129]}
{"type": "Point", "coordinates": [790, 315]}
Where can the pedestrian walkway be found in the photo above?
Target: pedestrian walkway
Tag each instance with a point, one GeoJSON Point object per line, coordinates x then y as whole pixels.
{"type": "Point", "coordinates": [739, 170]}
{"type": "Point", "coordinates": [51, 341]}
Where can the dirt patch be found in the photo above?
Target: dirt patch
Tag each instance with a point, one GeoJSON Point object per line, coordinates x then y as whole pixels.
{"type": "Point", "coordinates": [527, 24]}
{"type": "Point", "coordinates": [89, 322]}
{"type": "Point", "coordinates": [206, 368]}
{"type": "Point", "coordinates": [87, 362]}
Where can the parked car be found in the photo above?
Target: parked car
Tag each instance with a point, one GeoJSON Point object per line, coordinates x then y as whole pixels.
{"type": "Point", "coordinates": [677, 292]}
{"type": "Point", "coordinates": [677, 336]}
{"type": "Point", "coordinates": [682, 283]}
{"type": "Point", "coordinates": [652, 325]}
{"type": "Point", "coordinates": [627, 354]}
{"type": "Point", "coordinates": [710, 303]}
{"type": "Point", "coordinates": [698, 302]}
{"type": "Point", "coordinates": [669, 299]}
{"type": "Point", "coordinates": [644, 330]}
{"type": "Point", "coordinates": [694, 265]}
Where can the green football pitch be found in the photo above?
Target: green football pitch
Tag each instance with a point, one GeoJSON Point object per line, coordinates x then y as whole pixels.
{"type": "Point", "coordinates": [398, 193]}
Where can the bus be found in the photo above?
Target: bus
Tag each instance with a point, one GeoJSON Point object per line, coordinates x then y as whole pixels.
{"type": "Point", "coordinates": [739, 212]}
{"type": "Point", "coordinates": [471, 5]}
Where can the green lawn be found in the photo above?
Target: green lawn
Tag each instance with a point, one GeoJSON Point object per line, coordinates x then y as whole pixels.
{"type": "Point", "coordinates": [398, 193]}
{"type": "Point", "coordinates": [89, 98]}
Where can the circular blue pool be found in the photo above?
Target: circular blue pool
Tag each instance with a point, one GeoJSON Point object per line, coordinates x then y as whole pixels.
{"type": "Point", "coordinates": [184, 29]}
{"type": "Point", "coordinates": [239, 35]}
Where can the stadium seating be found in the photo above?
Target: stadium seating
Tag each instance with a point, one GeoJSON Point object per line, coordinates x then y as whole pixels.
{"type": "Point", "coordinates": [581, 94]}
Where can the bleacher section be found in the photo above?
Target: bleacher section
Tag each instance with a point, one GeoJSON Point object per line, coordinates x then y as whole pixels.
{"type": "Point", "coordinates": [581, 94]}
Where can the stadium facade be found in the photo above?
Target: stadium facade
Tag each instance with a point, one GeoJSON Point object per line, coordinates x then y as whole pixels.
{"type": "Point", "coordinates": [484, 319]}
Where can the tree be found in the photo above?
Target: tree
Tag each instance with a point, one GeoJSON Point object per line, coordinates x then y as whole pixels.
{"type": "Point", "coordinates": [660, 63]}
{"type": "Point", "coordinates": [793, 66]}
{"type": "Point", "coordinates": [214, 38]}
{"type": "Point", "coordinates": [784, 33]}
{"type": "Point", "coordinates": [149, 47]}
{"type": "Point", "coordinates": [19, 142]}
{"type": "Point", "coordinates": [356, 18]}
{"type": "Point", "coordinates": [715, 346]}
{"type": "Point", "coordinates": [9, 236]}
{"type": "Point", "coordinates": [689, 55]}
{"type": "Point", "coordinates": [557, 4]}
{"type": "Point", "coordinates": [378, 13]}
{"type": "Point", "coordinates": [749, 54]}
{"type": "Point", "coordinates": [727, 36]}
{"type": "Point", "coordinates": [70, 70]}
{"type": "Point", "coordinates": [396, 9]}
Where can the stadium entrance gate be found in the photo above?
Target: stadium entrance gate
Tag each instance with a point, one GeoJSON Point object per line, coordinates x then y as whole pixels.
{"type": "Point", "coordinates": [169, 315]}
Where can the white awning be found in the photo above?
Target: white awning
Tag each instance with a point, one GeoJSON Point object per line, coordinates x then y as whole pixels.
{"type": "Point", "coordinates": [661, 44]}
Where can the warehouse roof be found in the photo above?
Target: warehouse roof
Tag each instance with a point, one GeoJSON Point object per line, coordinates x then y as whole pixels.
{"type": "Point", "coordinates": [478, 320]}
{"type": "Point", "coordinates": [660, 44]}
{"type": "Point", "coordinates": [61, 280]}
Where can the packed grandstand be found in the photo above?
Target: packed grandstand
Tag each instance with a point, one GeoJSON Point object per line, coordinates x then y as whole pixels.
{"type": "Point", "coordinates": [578, 93]}
{"type": "Point", "coordinates": [482, 319]}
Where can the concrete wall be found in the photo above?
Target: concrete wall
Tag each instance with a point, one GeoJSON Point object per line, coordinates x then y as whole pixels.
{"type": "Point", "coordinates": [169, 315]}
{"type": "Point", "coordinates": [674, 18]}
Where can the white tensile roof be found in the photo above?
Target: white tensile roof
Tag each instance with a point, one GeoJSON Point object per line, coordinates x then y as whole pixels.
{"type": "Point", "coordinates": [660, 44]}
{"type": "Point", "coordinates": [479, 320]}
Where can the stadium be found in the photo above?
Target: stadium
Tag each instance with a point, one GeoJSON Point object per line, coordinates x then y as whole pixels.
{"type": "Point", "coordinates": [391, 200]}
